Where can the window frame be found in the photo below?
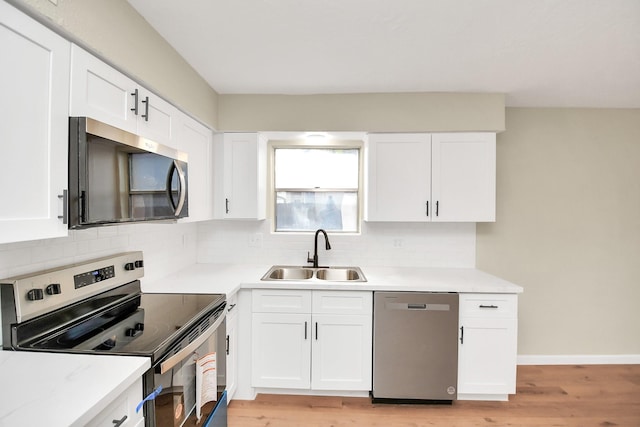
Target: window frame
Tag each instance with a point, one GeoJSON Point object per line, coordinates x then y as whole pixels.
{"type": "Point", "coordinates": [327, 144]}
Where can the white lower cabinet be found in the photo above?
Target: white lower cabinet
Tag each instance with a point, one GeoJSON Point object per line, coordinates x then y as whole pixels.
{"type": "Point", "coordinates": [318, 340]}
{"type": "Point", "coordinates": [341, 352]}
{"type": "Point", "coordinates": [281, 354]}
{"type": "Point", "coordinates": [487, 349]}
{"type": "Point", "coordinates": [122, 411]}
{"type": "Point", "coordinates": [232, 346]}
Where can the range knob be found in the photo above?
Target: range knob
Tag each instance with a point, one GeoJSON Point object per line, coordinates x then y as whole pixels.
{"type": "Point", "coordinates": [107, 344]}
{"type": "Point", "coordinates": [53, 289]}
{"type": "Point", "coordinates": [129, 266]}
{"type": "Point", "coordinates": [35, 294]}
{"type": "Point", "coordinates": [139, 263]}
{"type": "Point", "coordinates": [135, 331]}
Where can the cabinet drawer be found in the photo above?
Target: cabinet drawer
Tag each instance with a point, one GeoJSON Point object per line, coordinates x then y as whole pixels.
{"type": "Point", "coordinates": [488, 305]}
{"type": "Point", "coordinates": [342, 302]}
{"type": "Point", "coordinates": [280, 301]}
{"type": "Point", "coordinates": [123, 409]}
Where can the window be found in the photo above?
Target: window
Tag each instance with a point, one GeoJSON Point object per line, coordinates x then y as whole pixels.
{"type": "Point", "coordinates": [316, 187]}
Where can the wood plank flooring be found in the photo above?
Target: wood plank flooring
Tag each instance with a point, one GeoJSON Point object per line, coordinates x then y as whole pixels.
{"type": "Point", "coordinates": [564, 396]}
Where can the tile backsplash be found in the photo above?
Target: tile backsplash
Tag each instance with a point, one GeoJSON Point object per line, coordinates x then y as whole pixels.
{"type": "Point", "coordinates": [379, 244]}
{"type": "Point", "coordinates": [166, 248]}
{"type": "Point", "coordinates": [170, 247]}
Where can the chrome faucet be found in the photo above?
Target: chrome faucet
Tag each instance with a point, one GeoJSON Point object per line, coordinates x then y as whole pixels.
{"type": "Point", "coordinates": [327, 246]}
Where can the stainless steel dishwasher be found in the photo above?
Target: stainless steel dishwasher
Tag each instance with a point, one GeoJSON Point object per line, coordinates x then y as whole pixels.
{"type": "Point", "coordinates": [415, 346]}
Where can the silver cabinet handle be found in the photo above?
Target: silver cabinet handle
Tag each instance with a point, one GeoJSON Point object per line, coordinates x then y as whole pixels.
{"type": "Point", "coordinates": [65, 206]}
{"type": "Point", "coordinates": [146, 108]}
{"type": "Point", "coordinates": [135, 102]}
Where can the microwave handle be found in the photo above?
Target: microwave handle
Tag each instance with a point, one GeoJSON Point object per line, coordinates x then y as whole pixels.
{"type": "Point", "coordinates": [193, 346]}
{"type": "Point", "coordinates": [182, 194]}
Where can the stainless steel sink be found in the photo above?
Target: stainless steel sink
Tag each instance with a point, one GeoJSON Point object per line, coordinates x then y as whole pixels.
{"type": "Point", "coordinates": [302, 273]}
{"type": "Point", "coordinates": [339, 274]}
{"type": "Point", "coordinates": [288, 273]}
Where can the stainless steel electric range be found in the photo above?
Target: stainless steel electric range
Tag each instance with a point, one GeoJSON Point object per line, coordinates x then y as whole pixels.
{"type": "Point", "coordinates": [97, 307]}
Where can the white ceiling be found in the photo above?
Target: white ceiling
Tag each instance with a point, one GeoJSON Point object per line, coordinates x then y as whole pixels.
{"type": "Point", "coordinates": [540, 53]}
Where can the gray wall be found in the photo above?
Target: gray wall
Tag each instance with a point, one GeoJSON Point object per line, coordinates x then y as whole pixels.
{"type": "Point", "coordinates": [373, 112]}
{"type": "Point", "coordinates": [568, 228]}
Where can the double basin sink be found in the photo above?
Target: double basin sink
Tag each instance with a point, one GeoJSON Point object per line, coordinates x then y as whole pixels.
{"type": "Point", "coordinates": [301, 273]}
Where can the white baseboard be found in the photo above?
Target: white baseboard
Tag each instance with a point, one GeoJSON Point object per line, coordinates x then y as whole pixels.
{"type": "Point", "coordinates": [578, 359]}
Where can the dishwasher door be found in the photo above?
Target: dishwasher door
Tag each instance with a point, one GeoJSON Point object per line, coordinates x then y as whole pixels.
{"type": "Point", "coordinates": [415, 346]}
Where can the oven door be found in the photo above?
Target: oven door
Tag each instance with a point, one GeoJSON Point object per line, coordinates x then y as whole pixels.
{"type": "Point", "coordinates": [193, 381]}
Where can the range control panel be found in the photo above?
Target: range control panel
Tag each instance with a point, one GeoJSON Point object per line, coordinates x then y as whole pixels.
{"type": "Point", "coordinates": [94, 276]}
{"type": "Point", "coordinates": [42, 292]}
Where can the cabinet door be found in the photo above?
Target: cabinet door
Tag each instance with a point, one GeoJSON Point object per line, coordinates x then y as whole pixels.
{"type": "Point", "coordinates": [487, 357]}
{"type": "Point", "coordinates": [195, 139]}
{"type": "Point", "coordinates": [156, 119]}
{"type": "Point", "coordinates": [281, 350]}
{"type": "Point", "coordinates": [341, 352]}
{"type": "Point", "coordinates": [122, 408]}
{"type": "Point", "coordinates": [240, 167]}
{"type": "Point", "coordinates": [232, 346]}
{"type": "Point", "coordinates": [463, 177]}
{"type": "Point", "coordinates": [101, 92]}
{"type": "Point", "coordinates": [35, 128]}
{"type": "Point", "coordinates": [399, 177]}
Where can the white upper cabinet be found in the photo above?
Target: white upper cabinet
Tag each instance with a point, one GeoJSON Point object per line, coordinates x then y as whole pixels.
{"type": "Point", "coordinates": [446, 177]}
{"type": "Point", "coordinates": [399, 177]}
{"type": "Point", "coordinates": [240, 176]}
{"type": "Point", "coordinates": [34, 129]}
{"type": "Point", "coordinates": [195, 139]}
{"type": "Point", "coordinates": [101, 92]}
{"type": "Point", "coordinates": [463, 177]}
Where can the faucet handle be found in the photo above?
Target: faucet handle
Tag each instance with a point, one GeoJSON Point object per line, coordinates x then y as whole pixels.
{"type": "Point", "coordinates": [309, 259]}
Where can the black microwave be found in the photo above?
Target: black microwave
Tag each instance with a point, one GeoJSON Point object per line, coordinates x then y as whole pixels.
{"type": "Point", "coordinates": [118, 177]}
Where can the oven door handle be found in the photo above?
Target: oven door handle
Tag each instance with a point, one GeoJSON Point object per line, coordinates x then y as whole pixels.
{"type": "Point", "coordinates": [193, 346]}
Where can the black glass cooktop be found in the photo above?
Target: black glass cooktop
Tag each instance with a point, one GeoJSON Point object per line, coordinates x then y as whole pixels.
{"type": "Point", "coordinates": [127, 323]}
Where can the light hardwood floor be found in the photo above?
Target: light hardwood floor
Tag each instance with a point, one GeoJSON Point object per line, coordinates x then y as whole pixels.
{"type": "Point", "coordinates": [572, 396]}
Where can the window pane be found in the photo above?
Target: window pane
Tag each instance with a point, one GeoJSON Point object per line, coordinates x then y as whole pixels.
{"type": "Point", "coordinates": [316, 168]}
{"type": "Point", "coordinates": [310, 210]}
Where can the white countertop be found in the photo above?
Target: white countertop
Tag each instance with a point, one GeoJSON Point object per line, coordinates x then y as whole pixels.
{"type": "Point", "coordinates": [228, 278]}
{"type": "Point", "coordinates": [55, 389]}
